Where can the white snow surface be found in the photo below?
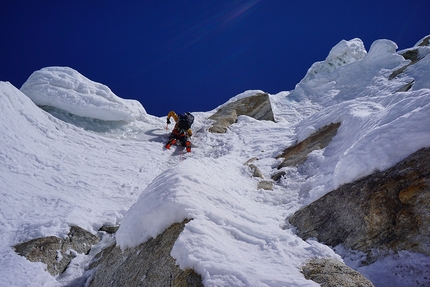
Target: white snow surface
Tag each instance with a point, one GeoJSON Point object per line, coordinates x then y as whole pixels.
{"type": "Point", "coordinates": [101, 160]}
{"type": "Point", "coordinates": [68, 90]}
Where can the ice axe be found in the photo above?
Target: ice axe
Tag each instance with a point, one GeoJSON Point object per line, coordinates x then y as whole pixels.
{"type": "Point", "coordinates": [167, 125]}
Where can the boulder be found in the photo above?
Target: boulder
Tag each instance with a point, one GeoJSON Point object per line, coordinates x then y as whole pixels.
{"type": "Point", "coordinates": [80, 240]}
{"type": "Point", "coordinates": [257, 107]}
{"type": "Point", "coordinates": [56, 252]}
{"type": "Point", "coordinates": [330, 272]}
{"type": "Point", "coordinates": [148, 264]}
{"type": "Point", "coordinates": [388, 210]}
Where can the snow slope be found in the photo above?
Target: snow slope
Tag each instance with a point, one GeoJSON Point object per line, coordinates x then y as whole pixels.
{"type": "Point", "coordinates": [100, 160]}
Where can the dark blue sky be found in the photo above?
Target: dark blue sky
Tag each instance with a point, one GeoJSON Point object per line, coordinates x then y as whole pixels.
{"type": "Point", "coordinates": [194, 55]}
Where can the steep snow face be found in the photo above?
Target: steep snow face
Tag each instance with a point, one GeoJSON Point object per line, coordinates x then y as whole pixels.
{"type": "Point", "coordinates": [373, 135]}
{"type": "Point", "coordinates": [418, 73]}
{"type": "Point", "coordinates": [68, 90]}
{"type": "Point", "coordinates": [54, 174]}
{"type": "Point", "coordinates": [233, 224]}
{"type": "Point", "coordinates": [378, 124]}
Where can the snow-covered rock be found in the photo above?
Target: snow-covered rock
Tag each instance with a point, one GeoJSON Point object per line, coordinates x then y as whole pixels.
{"type": "Point", "coordinates": [55, 252]}
{"type": "Point", "coordinates": [257, 106]}
{"type": "Point", "coordinates": [148, 264]}
{"type": "Point", "coordinates": [388, 210]}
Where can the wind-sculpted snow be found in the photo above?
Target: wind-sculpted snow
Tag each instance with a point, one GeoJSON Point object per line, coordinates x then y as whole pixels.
{"type": "Point", "coordinates": [66, 89]}
{"type": "Point", "coordinates": [230, 227]}
{"type": "Point", "coordinates": [380, 126]}
{"type": "Point", "coordinates": [349, 81]}
{"type": "Point", "coordinates": [419, 72]}
{"type": "Point", "coordinates": [344, 53]}
{"type": "Point", "coordinates": [54, 174]}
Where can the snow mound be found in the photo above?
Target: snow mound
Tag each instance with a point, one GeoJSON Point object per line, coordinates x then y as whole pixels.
{"type": "Point", "coordinates": [68, 90]}
{"type": "Point", "coordinates": [380, 51]}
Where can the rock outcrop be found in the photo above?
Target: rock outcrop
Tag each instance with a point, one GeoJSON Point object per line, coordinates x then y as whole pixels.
{"type": "Point", "coordinates": [297, 154]}
{"type": "Point", "coordinates": [109, 229]}
{"type": "Point", "coordinates": [56, 252]}
{"type": "Point", "coordinates": [388, 210]}
{"type": "Point", "coordinates": [148, 264]}
{"type": "Point", "coordinates": [330, 272]}
{"type": "Point", "coordinates": [414, 56]}
{"type": "Point", "coordinates": [257, 107]}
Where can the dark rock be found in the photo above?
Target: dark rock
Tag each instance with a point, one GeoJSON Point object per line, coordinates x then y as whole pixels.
{"type": "Point", "coordinates": [80, 240]}
{"type": "Point", "coordinates": [388, 210]}
{"type": "Point", "coordinates": [413, 55]}
{"type": "Point", "coordinates": [148, 264]}
{"type": "Point", "coordinates": [48, 250]}
{"type": "Point", "coordinates": [425, 41]}
{"type": "Point", "coordinates": [109, 229]}
{"type": "Point", "coordinates": [56, 252]}
{"type": "Point", "coordinates": [257, 107]}
{"type": "Point", "coordinates": [297, 154]}
{"type": "Point", "coordinates": [406, 87]}
{"type": "Point", "coordinates": [277, 176]}
{"type": "Point", "coordinates": [330, 272]}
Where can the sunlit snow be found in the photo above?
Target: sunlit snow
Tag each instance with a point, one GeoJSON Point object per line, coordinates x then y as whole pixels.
{"type": "Point", "coordinates": [66, 89]}
{"type": "Point", "coordinates": [103, 162]}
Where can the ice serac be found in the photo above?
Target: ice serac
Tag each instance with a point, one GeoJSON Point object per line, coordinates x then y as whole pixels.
{"type": "Point", "coordinates": [345, 52]}
{"type": "Point", "coordinates": [68, 90]}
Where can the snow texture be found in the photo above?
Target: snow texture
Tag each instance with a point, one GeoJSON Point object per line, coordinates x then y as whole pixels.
{"type": "Point", "coordinates": [54, 174]}
{"type": "Point", "coordinates": [66, 89]}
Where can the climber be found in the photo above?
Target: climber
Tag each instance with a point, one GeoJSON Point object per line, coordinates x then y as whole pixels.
{"type": "Point", "coordinates": [182, 130]}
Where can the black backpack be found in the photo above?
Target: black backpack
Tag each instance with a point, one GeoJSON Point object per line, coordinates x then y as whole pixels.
{"type": "Point", "coordinates": [185, 121]}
